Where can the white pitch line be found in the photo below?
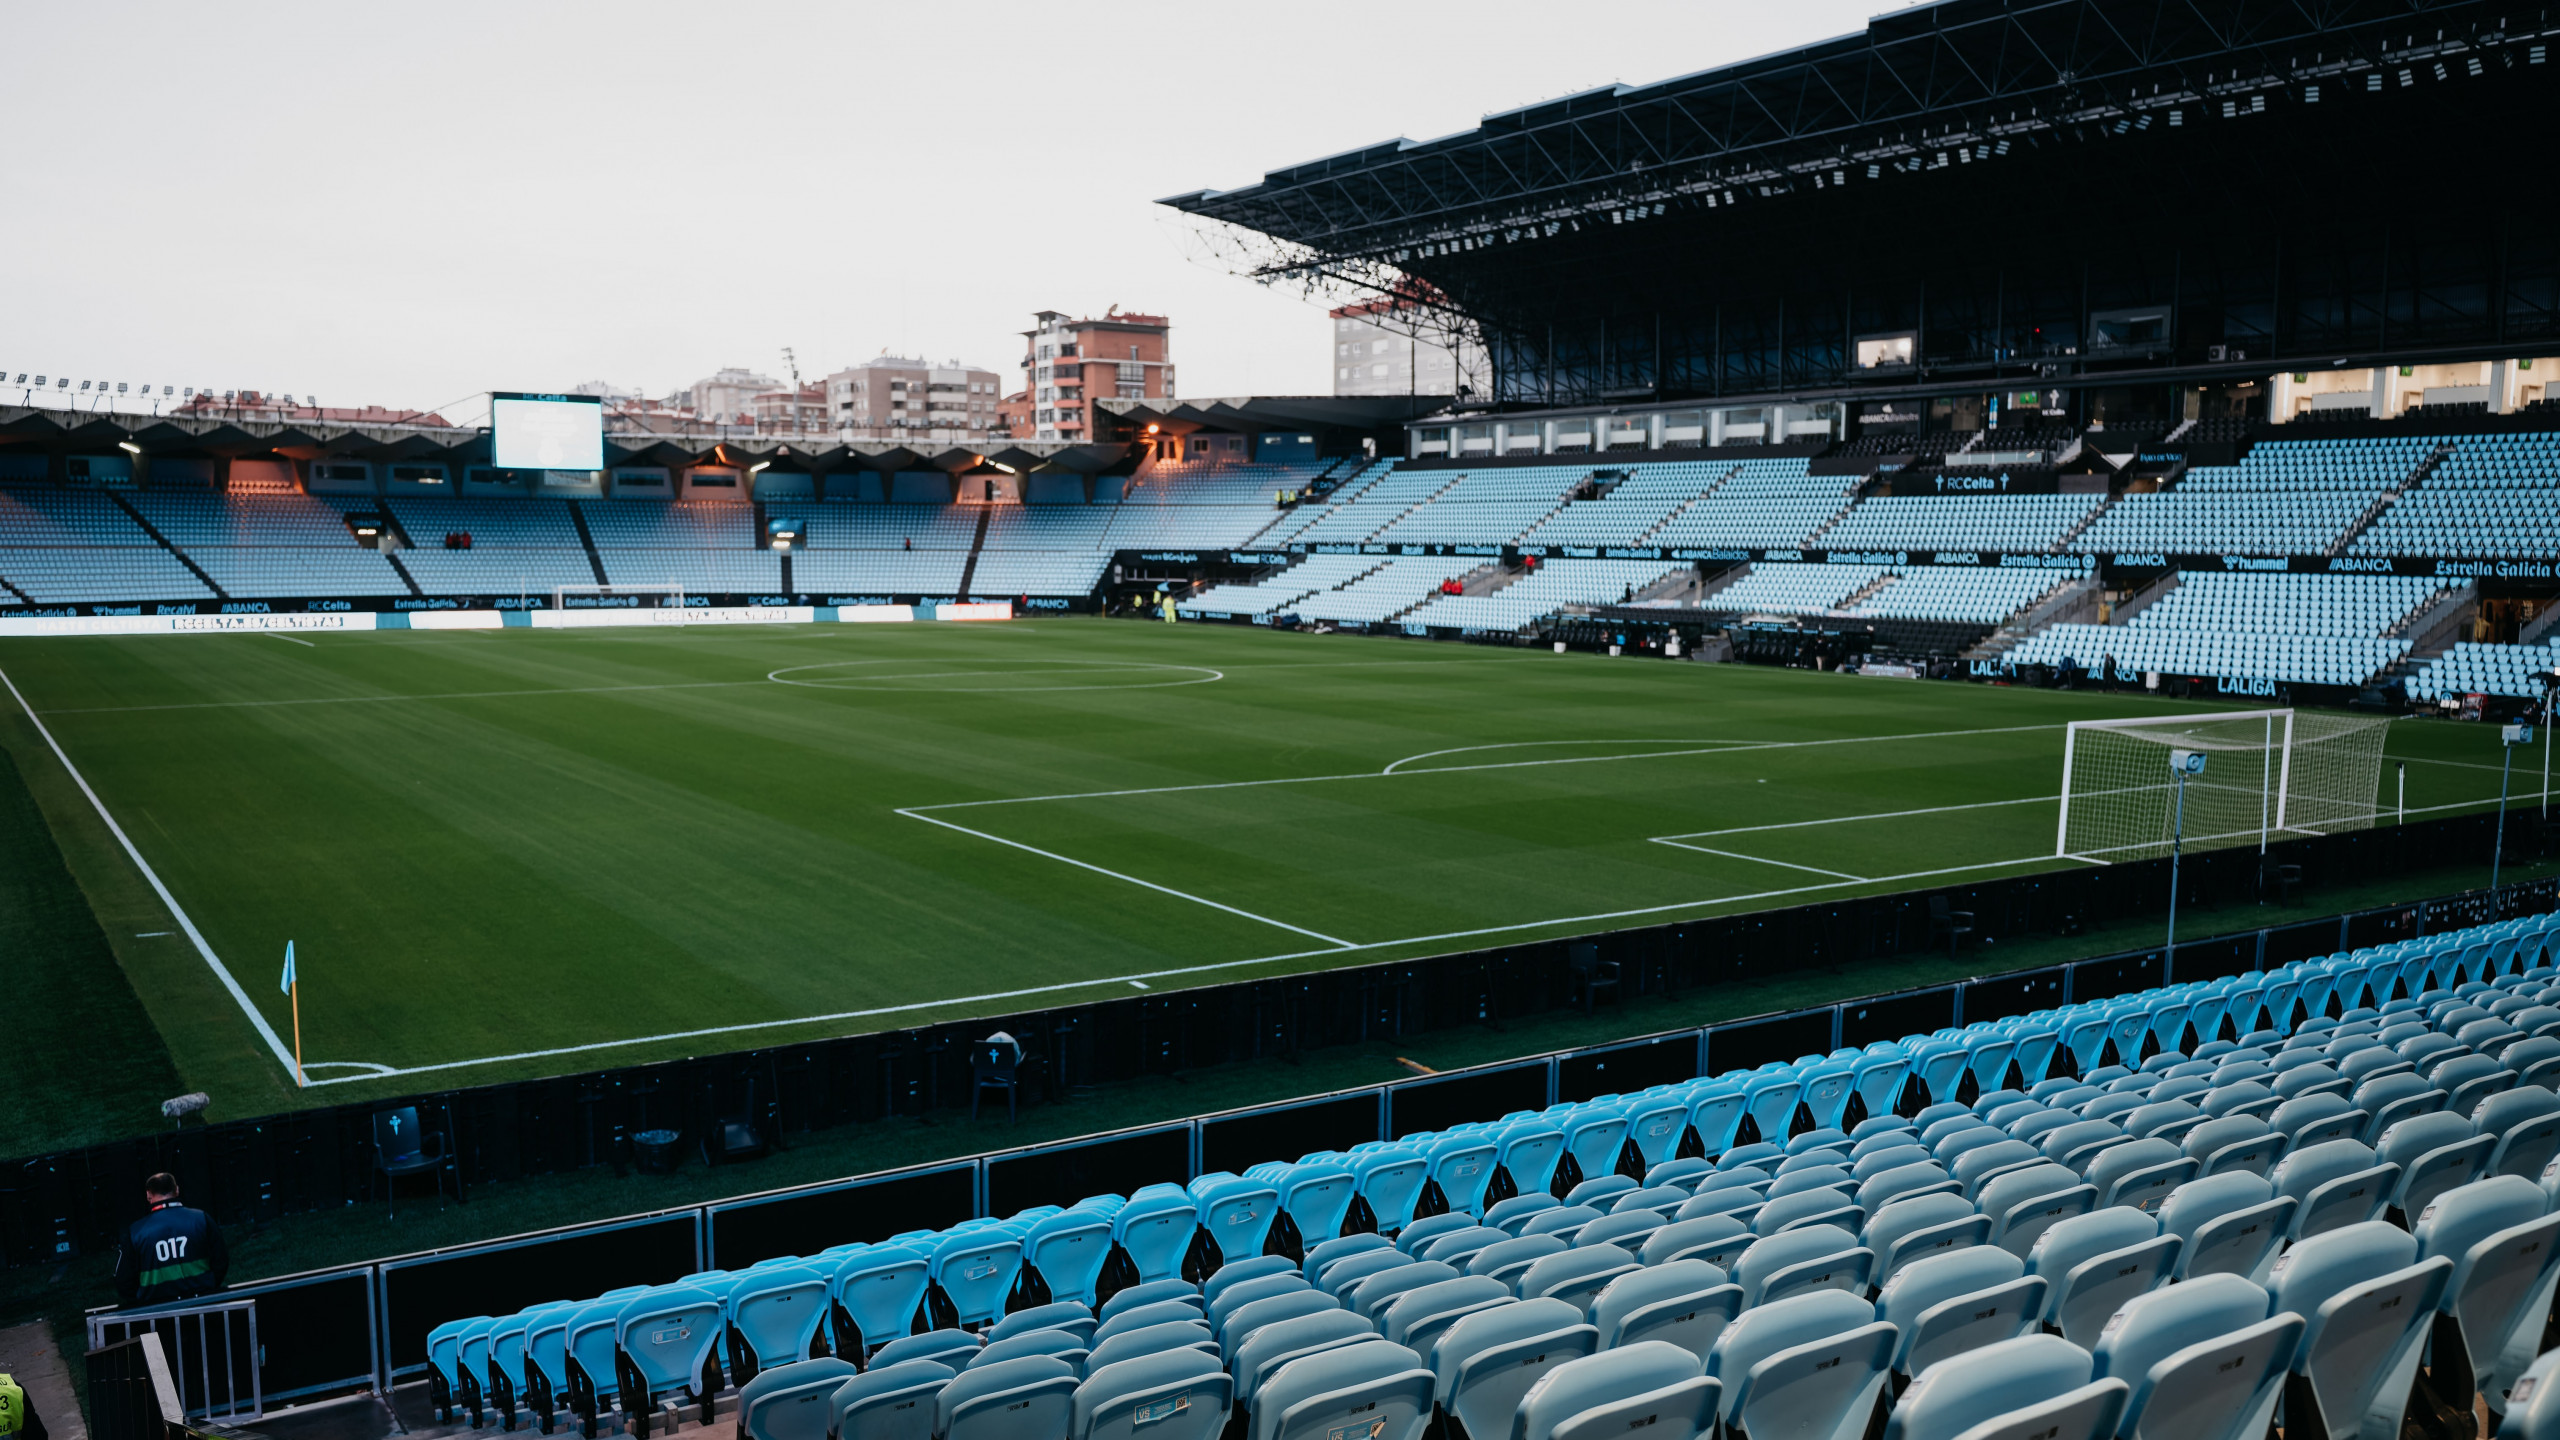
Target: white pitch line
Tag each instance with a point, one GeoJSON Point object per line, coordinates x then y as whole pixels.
{"type": "Point", "coordinates": [1137, 979]}
{"type": "Point", "coordinates": [1846, 819]}
{"type": "Point", "coordinates": [1133, 880]}
{"type": "Point", "coordinates": [1755, 859]}
{"type": "Point", "coordinates": [381, 699]}
{"type": "Point", "coordinates": [1533, 744]}
{"type": "Point", "coordinates": [212, 961]}
{"type": "Point", "coordinates": [289, 640]}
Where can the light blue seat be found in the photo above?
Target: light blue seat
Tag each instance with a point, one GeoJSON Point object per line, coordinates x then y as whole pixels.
{"type": "Point", "coordinates": [889, 1402]}
{"type": "Point", "coordinates": [595, 1382]}
{"type": "Point", "coordinates": [2139, 1173]}
{"type": "Point", "coordinates": [1389, 1181]}
{"type": "Point", "coordinates": [1139, 1317]}
{"type": "Point", "coordinates": [1350, 1270]}
{"type": "Point", "coordinates": [879, 1294]}
{"type": "Point", "coordinates": [1686, 1303]}
{"type": "Point", "coordinates": [2526, 1124]}
{"type": "Point", "coordinates": [1319, 1256]}
{"type": "Point", "coordinates": [1023, 1399]}
{"type": "Point", "coordinates": [1066, 1345]}
{"type": "Point", "coordinates": [444, 1363]}
{"type": "Point", "coordinates": [2334, 1183]}
{"type": "Point", "coordinates": [2217, 1387]}
{"type": "Point", "coordinates": [1821, 1389]}
{"type": "Point", "coordinates": [776, 1313]}
{"type": "Point", "coordinates": [1316, 1196]}
{"type": "Point", "coordinates": [1280, 1342]}
{"type": "Point", "coordinates": [1151, 1340]}
{"type": "Point", "coordinates": [2506, 1253]}
{"type": "Point", "coordinates": [1950, 1303]}
{"type": "Point", "coordinates": [1509, 1215]}
{"type": "Point", "coordinates": [1068, 1249]}
{"type": "Point", "coordinates": [1718, 1240]}
{"type": "Point", "coordinates": [1370, 1296]}
{"type": "Point", "coordinates": [546, 1358]}
{"type": "Point", "coordinates": [1529, 1151]}
{"type": "Point", "coordinates": [2152, 1327]}
{"type": "Point", "coordinates": [1172, 1395]}
{"type": "Point", "coordinates": [1065, 1315]}
{"type": "Point", "coordinates": [1237, 1214]}
{"type": "Point", "coordinates": [1155, 1230]}
{"type": "Point", "coordinates": [1486, 1362]}
{"type": "Point", "coordinates": [1252, 1315]}
{"type": "Point", "coordinates": [1902, 1182]}
{"type": "Point", "coordinates": [792, 1402]}
{"type": "Point", "coordinates": [2368, 1300]}
{"type": "Point", "coordinates": [2022, 1203]}
{"type": "Point", "coordinates": [2029, 1385]}
{"type": "Point", "coordinates": [2234, 1142]}
{"type": "Point", "coordinates": [954, 1348]}
{"type": "Point", "coordinates": [2533, 1410]}
{"type": "Point", "coordinates": [1374, 1390]}
{"type": "Point", "coordinates": [667, 1337]}
{"type": "Point", "coordinates": [471, 1359]}
{"type": "Point", "coordinates": [2231, 1224]}
{"type": "Point", "coordinates": [1574, 1275]}
{"type": "Point", "coordinates": [1461, 1167]}
{"type": "Point", "coordinates": [1152, 1292]}
{"type": "Point", "coordinates": [1931, 1224]}
{"type": "Point", "coordinates": [1761, 1331]}
{"type": "Point", "coordinates": [1417, 1237]}
{"type": "Point", "coordinates": [1599, 1190]}
{"type": "Point", "coordinates": [1229, 1298]}
{"type": "Point", "coordinates": [1652, 1123]}
{"type": "Point", "coordinates": [1505, 1260]}
{"type": "Point", "coordinates": [1817, 1257]}
{"type": "Point", "coordinates": [1417, 1317]}
{"type": "Point", "coordinates": [1823, 1206]}
{"type": "Point", "coordinates": [2435, 1151]}
{"type": "Point", "coordinates": [1647, 1387]}
{"type": "Point", "coordinates": [1237, 1272]}
{"type": "Point", "coordinates": [1596, 1134]}
{"type": "Point", "coordinates": [2096, 1262]}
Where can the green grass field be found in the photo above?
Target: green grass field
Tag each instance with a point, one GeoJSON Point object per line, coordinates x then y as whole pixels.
{"type": "Point", "coordinates": [514, 852]}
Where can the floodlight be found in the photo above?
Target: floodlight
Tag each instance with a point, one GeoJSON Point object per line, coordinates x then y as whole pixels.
{"type": "Point", "coordinates": [2186, 762]}
{"type": "Point", "coordinates": [128, 447]}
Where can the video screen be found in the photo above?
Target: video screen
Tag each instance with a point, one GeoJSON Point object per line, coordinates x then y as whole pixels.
{"type": "Point", "coordinates": [546, 432]}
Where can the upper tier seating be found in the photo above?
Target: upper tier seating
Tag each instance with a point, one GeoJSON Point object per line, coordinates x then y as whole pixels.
{"type": "Point", "coordinates": [702, 544]}
{"type": "Point", "coordinates": [2298, 629]}
{"type": "Point", "coordinates": [1765, 503]}
{"type": "Point", "coordinates": [517, 546]}
{"type": "Point", "coordinates": [2288, 497]}
{"type": "Point", "coordinates": [1633, 507]}
{"type": "Point", "coordinates": [2320, 1184]}
{"type": "Point", "coordinates": [2495, 495]}
{"type": "Point", "coordinates": [1555, 585]}
{"type": "Point", "coordinates": [1488, 506]}
{"type": "Point", "coordinates": [75, 546]}
{"type": "Point", "coordinates": [2014, 524]}
{"type": "Point", "coordinates": [1233, 483]}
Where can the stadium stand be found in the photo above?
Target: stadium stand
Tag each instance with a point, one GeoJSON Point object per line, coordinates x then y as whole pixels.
{"type": "Point", "coordinates": [1273, 593]}
{"type": "Point", "coordinates": [2322, 1185]}
{"type": "Point", "coordinates": [2468, 668]}
{"type": "Point", "coordinates": [2288, 497]}
{"type": "Point", "coordinates": [69, 546]}
{"type": "Point", "coordinates": [1488, 506]}
{"type": "Point", "coordinates": [1959, 594]}
{"type": "Point", "coordinates": [1763, 503]}
{"type": "Point", "coordinates": [709, 544]}
{"type": "Point", "coordinates": [2013, 524]}
{"type": "Point", "coordinates": [1631, 509]}
{"type": "Point", "coordinates": [1386, 592]}
{"type": "Point", "coordinates": [2300, 629]}
{"type": "Point", "coordinates": [2493, 495]}
{"type": "Point", "coordinates": [513, 546]}
{"type": "Point", "coordinates": [1785, 588]}
{"type": "Point", "coordinates": [1552, 587]}
{"type": "Point", "coordinates": [263, 545]}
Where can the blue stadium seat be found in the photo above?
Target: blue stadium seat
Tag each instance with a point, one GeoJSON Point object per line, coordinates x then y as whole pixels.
{"type": "Point", "coordinates": [1485, 1363]}
{"type": "Point", "coordinates": [793, 1401]}
{"type": "Point", "coordinates": [1646, 1386]}
{"type": "Point", "coordinates": [1026, 1399]}
{"type": "Point", "coordinates": [889, 1402]}
{"type": "Point", "coordinates": [1174, 1395]}
{"type": "Point", "coordinates": [2033, 1384]}
{"type": "Point", "coordinates": [2505, 1251]}
{"type": "Point", "coordinates": [1379, 1387]}
{"type": "Point", "coordinates": [2368, 1300]}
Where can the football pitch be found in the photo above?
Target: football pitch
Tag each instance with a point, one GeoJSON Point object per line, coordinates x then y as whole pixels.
{"type": "Point", "coordinates": [507, 853]}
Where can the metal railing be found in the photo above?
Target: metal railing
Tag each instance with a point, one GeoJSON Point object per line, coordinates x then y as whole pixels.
{"type": "Point", "coordinates": [212, 1354]}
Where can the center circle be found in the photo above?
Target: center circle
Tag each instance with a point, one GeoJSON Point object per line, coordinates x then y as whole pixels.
{"type": "Point", "coordinates": [1027, 675]}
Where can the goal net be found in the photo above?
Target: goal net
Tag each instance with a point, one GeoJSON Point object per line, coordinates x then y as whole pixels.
{"type": "Point", "coordinates": [659, 595]}
{"type": "Point", "coordinates": [2268, 774]}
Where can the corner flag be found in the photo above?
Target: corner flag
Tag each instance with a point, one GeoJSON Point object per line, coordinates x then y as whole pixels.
{"type": "Point", "coordinates": [288, 986]}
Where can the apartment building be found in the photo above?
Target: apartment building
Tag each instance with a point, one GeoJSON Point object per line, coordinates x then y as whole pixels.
{"type": "Point", "coordinates": [1071, 363]}
{"type": "Point", "coordinates": [898, 397]}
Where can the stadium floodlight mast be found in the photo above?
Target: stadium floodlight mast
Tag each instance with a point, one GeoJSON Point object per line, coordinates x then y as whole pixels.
{"type": "Point", "coordinates": [2510, 737]}
{"type": "Point", "coordinates": [2184, 765]}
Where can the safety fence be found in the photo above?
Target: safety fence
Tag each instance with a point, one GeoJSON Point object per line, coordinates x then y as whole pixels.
{"type": "Point", "coordinates": [364, 1326]}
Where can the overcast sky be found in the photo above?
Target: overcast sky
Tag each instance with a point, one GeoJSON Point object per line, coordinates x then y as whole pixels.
{"type": "Point", "coordinates": [410, 205]}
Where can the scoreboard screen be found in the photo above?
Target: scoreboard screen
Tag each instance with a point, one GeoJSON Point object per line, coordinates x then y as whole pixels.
{"type": "Point", "coordinates": [546, 432]}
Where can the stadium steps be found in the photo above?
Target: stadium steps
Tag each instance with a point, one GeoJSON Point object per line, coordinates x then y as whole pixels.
{"type": "Point", "coordinates": [2538, 630]}
{"type": "Point", "coordinates": [2073, 601]}
{"type": "Point", "coordinates": [2063, 545]}
{"type": "Point", "coordinates": [1684, 506]}
{"type": "Point", "coordinates": [162, 541]}
{"type": "Point", "coordinates": [1865, 593]}
{"type": "Point", "coordinates": [1717, 583]}
{"type": "Point", "coordinates": [1848, 503]}
{"type": "Point", "coordinates": [2383, 502]}
{"type": "Point", "coordinates": [393, 556]}
{"type": "Point", "coordinates": [14, 590]}
{"type": "Point", "coordinates": [1454, 477]}
{"type": "Point", "coordinates": [1482, 580]}
{"type": "Point", "coordinates": [2433, 628]}
{"type": "Point", "coordinates": [977, 547]}
{"type": "Point", "coordinates": [587, 541]}
{"type": "Point", "coordinates": [2180, 433]}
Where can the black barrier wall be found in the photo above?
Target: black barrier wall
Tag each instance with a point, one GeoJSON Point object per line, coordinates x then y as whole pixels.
{"type": "Point", "coordinates": [55, 1206]}
{"type": "Point", "coordinates": [365, 1325]}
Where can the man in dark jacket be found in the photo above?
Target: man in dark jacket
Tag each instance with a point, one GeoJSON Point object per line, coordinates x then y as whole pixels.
{"type": "Point", "coordinates": [173, 1253]}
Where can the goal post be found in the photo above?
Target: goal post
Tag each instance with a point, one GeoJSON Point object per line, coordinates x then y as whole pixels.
{"type": "Point", "coordinates": [2269, 773]}
{"type": "Point", "coordinates": [653, 595]}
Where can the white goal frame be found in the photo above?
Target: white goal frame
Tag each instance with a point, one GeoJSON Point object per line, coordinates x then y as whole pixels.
{"type": "Point", "coordinates": [668, 595]}
{"type": "Point", "coordinates": [2280, 782]}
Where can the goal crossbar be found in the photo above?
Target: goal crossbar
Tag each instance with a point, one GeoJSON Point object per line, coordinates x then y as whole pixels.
{"type": "Point", "coordinates": [2268, 773]}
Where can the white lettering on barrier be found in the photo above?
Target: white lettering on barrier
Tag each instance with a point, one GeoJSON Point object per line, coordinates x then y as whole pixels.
{"type": "Point", "coordinates": [30, 625]}
{"type": "Point", "coordinates": [975, 610]}
{"type": "Point", "coordinates": [875, 614]}
{"type": "Point", "coordinates": [456, 620]}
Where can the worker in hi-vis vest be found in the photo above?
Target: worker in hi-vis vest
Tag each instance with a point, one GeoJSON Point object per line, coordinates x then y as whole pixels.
{"type": "Point", "coordinates": [18, 1418]}
{"type": "Point", "coordinates": [172, 1253]}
